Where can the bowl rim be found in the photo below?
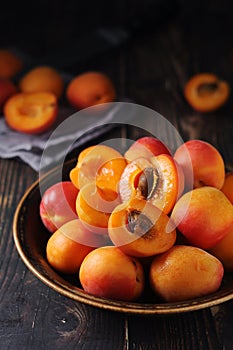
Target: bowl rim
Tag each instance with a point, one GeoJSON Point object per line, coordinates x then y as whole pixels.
{"type": "Point", "coordinates": [77, 294]}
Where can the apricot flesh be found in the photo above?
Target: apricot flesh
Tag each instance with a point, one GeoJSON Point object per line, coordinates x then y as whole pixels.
{"type": "Point", "coordinates": [140, 229]}
{"type": "Point", "coordinates": [185, 272]}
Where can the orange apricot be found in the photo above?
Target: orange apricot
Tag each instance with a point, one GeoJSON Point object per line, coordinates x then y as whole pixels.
{"type": "Point", "coordinates": [223, 250]}
{"type": "Point", "coordinates": [140, 229]}
{"type": "Point", "coordinates": [159, 180]}
{"type": "Point", "coordinates": [205, 92]}
{"type": "Point", "coordinates": [31, 113]}
{"type": "Point", "coordinates": [93, 209]}
{"type": "Point", "coordinates": [90, 88]}
{"type": "Point", "coordinates": [65, 250]}
{"type": "Point", "coordinates": [227, 188]}
{"type": "Point", "coordinates": [10, 64]}
{"type": "Point", "coordinates": [42, 79]}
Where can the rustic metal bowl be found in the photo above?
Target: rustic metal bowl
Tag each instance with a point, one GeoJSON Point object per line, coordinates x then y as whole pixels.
{"type": "Point", "coordinates": [30, 238]}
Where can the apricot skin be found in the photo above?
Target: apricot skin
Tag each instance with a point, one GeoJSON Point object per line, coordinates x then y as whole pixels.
{"type": "Point", "coordinates": [204, 216]}
{"type": "Point", "coordinates": [108, 272]}
{"type": "Point", "coordinates": [185, 272]}
{"type": "Point", "coordinates": [227, 188]}
{"type": "Point", "coordinates": [202, 164]}
{"type": "Point", "coordinates": [223, 250]}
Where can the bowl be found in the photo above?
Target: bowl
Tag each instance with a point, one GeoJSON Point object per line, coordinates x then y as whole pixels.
{"type": "Point", "coordinates": [30, 237]}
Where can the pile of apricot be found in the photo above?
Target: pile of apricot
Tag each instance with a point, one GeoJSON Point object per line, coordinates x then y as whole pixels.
{"type": "Point", "coordinates": [143, 219]}
{"type": "Point", "coordinates": [30, 99]}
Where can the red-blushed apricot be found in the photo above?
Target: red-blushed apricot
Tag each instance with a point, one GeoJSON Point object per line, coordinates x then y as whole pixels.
{"type": "Point", "coordinates": [159, 180]}
{"type": "Point", "coordinates": [185, 272]}
{"type": "Point", "coordinates": [140, 229]}
{"type": "Point", "coordinates": [58, 205]}
{"type": "Point", "coordinates": [89, 89]}
{"type": "Point", "coordinates": [7, 89]}
{"type": "Point", "coordinates": [65, 250]}
{"type": "Point", "coordinates": [202, 164]}
{"type": "Point", "coordinates": [146, 147]}
{"type": "Point", "coordinates": [42, 79]}
{"type": "Point", "coordinates": [204, 216]}
{"type": "Point", "coordinates": [223, 250]}
{"type": "Point", "coordinates": [108, 272]}
{"type": "Point", "coordinates": [205, 92]}
{"type": "Point", "coordinates": [227, 187]}
{"type": "Point", "coordinates": [10, 64]}
{"type": "Point", "coordinates": [31, 113]}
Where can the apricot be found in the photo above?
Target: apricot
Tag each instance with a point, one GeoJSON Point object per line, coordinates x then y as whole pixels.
{"type": "Point", "coordinates": [74, 172]}
{"type": "Point", "coordinates": [93, 209]}
{"type": "Point", "coordinates": [227, 187]}
{"type": "Point", "coordinates": [102, 164]}
{"type": "Point", "coordinates": [10, 64]}
{"type": "Point", "coordinates": [204, 216]}
{"type": "Point", "coordinates": [89, 89]}
{"type": "Point", "coordinates": [159, 180]}
{"type": "Point", "coordinates": [31, 113]}
{"type": "Point", "coordinates": [140, 229]}
{"type": "Point", "coordinates": [108, 272]}
{"type": "Point", "coordinates": [7, 89]}
{"type": "Point", "coordinates": [64, 249]}
{"type": "Point", "coordinates": [146, 147]}
{"type": "Point", "coordinates": [42, 79]}
{"type": "Point", "coordinates": [202, 164]}
{"type": "Point", "coordinates": [205, 92]}
{"type": "Point", "coordinates": [223, 250]}
{"type": "Point", "coordinates": [185, 272]}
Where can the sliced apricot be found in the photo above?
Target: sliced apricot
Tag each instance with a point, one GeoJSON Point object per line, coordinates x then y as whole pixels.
{"type": "Point", "coordinates": [93, 209]}
{"type": "Point", "coordinates": [31, 113]}
{"type": "Point", "coordinates": [158, 180]}
{"type": "Point", "coordinates": [205, 92]}
{"type": "Point", "coordinates": [141, 229]}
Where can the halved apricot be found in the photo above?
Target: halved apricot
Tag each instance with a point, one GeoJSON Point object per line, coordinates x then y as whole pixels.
{"type": "Point", "coordinates": [74, 173]}
{"type": "Point", "coordinates": [140, 229]}
{"type": "Point", "coordinates": [159, 180]}
{"type": "Point", "coordinates": [93, 209]}
{"type": "Point", "coordinates": [205, 92]}
{"type": "Point", "coordinates": [31, 113]}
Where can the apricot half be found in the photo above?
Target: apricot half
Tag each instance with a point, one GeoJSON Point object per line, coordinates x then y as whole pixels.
{"type": "Point", "coordinates": [205, 92]}
{"type": "Point", "coordinates": [140, 229]}
{"type": "Point", "coordinates": [31, 113]}
{"type": "Point", "coordinates": [159, 180]}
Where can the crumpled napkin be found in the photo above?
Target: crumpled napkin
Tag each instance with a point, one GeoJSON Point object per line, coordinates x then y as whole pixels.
{"type": "Point", "coordinates": [71, 130]}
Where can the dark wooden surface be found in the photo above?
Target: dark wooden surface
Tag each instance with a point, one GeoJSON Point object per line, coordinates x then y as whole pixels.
{"type": "Point", "coordinates": [151, 70]}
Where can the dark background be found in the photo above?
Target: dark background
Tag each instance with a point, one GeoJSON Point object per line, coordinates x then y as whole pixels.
{"type": "Point", "coordinates": [62, 33]}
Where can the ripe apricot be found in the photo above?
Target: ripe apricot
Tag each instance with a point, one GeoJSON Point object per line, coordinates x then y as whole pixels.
{"type": "Point", "coordinates": [90, 88]}
{"type": "Point", "coordinates": [205, 92]}
{"type": "Point", "coordinates": [227, 188]}
{"type": "Point", "coordinates": [93, 209]}
{"type": "Point", "coordinates": [74, 173]}
{"type": "Point", "coordinates": [140, 229]}
{"type": "Point", "coordinates": [158, 179]}
{"type": "Point", "coordinates": [65, 250]}
{"type": "Point", "coordinates": [108, 272]}
{"type": "Point", "coordinates": [10, 64]}
{"type": "Point", "coordinates": [31, 113]}
{"type": "Point", "coordinates": [185, 272]}
{"type": "Point", "coordinates": [223, 250]}
{"type": "Point", "coordinates": [42, 79]}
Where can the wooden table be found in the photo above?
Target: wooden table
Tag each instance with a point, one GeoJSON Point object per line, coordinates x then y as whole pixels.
{"type": "Point", "coordinates": [151, 70]}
